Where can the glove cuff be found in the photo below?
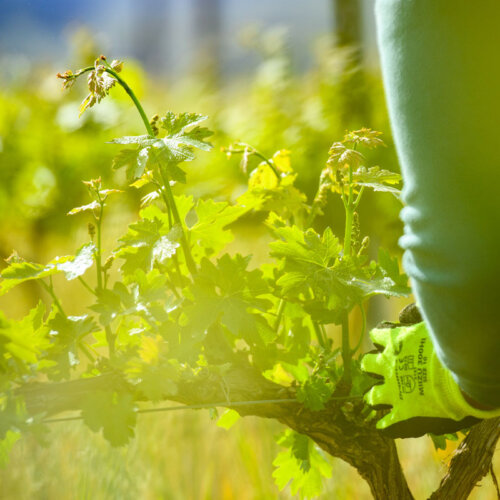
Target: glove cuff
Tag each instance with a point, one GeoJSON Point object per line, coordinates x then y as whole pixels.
{"type": "Point", "coordinates": [454, 403]}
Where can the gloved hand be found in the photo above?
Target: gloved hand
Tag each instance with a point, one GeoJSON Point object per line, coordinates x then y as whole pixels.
{"type": "Point", "coordinates": [420, 392]}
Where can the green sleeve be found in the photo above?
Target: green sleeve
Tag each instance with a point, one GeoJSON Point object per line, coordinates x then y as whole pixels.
{"type": "Point", "coordinates": [441, 70]}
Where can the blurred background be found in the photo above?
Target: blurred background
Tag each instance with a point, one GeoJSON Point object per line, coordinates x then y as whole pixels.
{"type": "Point", "coordinates": [285, 74]}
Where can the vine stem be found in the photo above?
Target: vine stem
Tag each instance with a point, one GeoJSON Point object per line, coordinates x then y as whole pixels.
{"type": "Point", "coordinates": [170, 201]}
{"type": "Point", "coordinates": [363, 329]}
{"type": "Point", "coordinates": [257, 153]}
{"type": "Point", "coordinates": [281, 308]}
{"type": "Point", "coordinates": [349, 206]}
{"type": "Point", "coordinates": [167, 191]}
{"type": "Point", "coordinates": [319, 335]}
{"type": "Point", "coordinates": [86, 352]}
{"type": "Point", "coordinates": [110, 338]}
{"type": "Point", "coordinates": [358, 198]}
{"type": "Point", "coordinates": [346, 350]}
{"type": "Point", "coordinates": [168, 195]}
{"type": "Point", "coordinates": [271, 165]}
{"type": "Point", "coordinates": [50, 291]}
{"type": "Point", "coordinates": [132, 96]}
{"type": "Point", "coordinates": [348, 230]}
{"type": "Point", "coordinates": [86, 285]}
{"type": "Point", "coordinates": [98, 259]}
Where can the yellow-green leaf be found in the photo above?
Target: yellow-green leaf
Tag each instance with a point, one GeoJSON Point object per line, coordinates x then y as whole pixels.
{"type": "Point", "coordinates": [281, 160]}
{"type": "Point", "coordinates": [263, 177]}
{"type": "Point", "coordinates": [228, 419]}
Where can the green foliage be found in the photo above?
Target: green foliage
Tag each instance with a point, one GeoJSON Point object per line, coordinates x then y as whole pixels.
{"type": "Point", "coordinates": [226, 293]}
{"type": "Point", "coordinates": [440, 442]}
{"type": "Point", "coordinates": [180, 301]}
{"type": "Point", "coordinates": [228, 419]}
{"type": "Point", "coordinates": [167, 152]}
{"type": "Point", "coordinates": [302, 465]}
{"type": "Point", "coordinates": [314, 393]}
{"type": "Point", "coordinates": [6, 445]}
{"type": "Point", "coordinates": [72, 266]}
{"type": "Point", "coordinates": [113, 413]}
{"type": "Point", "coordinates": [22, 342]}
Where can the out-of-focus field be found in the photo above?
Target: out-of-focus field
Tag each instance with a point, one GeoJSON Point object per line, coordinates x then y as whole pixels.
{"type": "Point", "coordinates": [184, 456]}
{"type": "Point", "coordinates": [45, 152]}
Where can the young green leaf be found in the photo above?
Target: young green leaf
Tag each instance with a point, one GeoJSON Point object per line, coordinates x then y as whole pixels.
{"type": "Point", "coordinates": [302, 466]}
{"type": "Point", "coordinates": [85, 208]}
{"type": "Point", "coordinates": [6, 445]}
{"type": "Point", "coordinates": [134, 160]}
{"type": "Point", "coordinates": [19, 272]}
{"type": "Point", "coordinates": [78, 265]}
{"type": "Point", "coordinates": [209, 234]}
{"type": "Point", "coordinates": [26, 339]}
{"type": "Point", "coordinates": [113, 413]}
{"type": "Point", "coordinates": [140, 140]}
{"type": "Point", "coordinates": [375, 175]}
{"type": "Point", "coordinates": [176, 127]}
{"type": "Point", "coordinates": [228, 419]}
{"type": "Point", "coordinates": [228, 294]}
{"type": "Point", "coordinates": [314, 393]}
{"type": "Point", "coordinates": [148, 242]}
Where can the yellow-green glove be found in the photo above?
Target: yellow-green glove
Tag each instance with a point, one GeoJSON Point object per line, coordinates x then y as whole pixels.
{"type": "Point", "coordinates": [422, 395]}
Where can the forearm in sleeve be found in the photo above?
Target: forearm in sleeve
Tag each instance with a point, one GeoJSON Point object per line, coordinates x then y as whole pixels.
{"type": "Point", "coordinates": [441, 70]}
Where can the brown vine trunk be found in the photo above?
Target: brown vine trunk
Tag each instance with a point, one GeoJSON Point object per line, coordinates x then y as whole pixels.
{"type": "Point", "coordinates": [338, 429]}
{"type": "Point", "coordinates": [374, 456]}
{"type": "Point", "coordinates": [470, 463]}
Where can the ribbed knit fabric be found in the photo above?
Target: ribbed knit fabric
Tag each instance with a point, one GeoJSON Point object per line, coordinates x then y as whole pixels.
{"type": "Point", "coordinates": [453, 403]}
{"type": "Point", "coordinates": [441, 70]}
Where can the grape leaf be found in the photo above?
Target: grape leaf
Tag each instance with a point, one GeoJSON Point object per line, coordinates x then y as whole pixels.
{"type": "Point", "coordinates": [19, 272]}
{"type": "Point", "coordinates": [281, 160]}
{"type": "Point", "coordinates": [138, 299]}
{"type": "Point", "coordinates": [72, 266]}
{"type": "Point", "coordinates": [382, 188]}
{"type": "Point", "coordinates": [163, 249]}
{"type": "Point", "coordinates": [134, 160]}
{"type": "Point", "coordinates": [389, 267]}
{"type": "Point", "coordinates": [209, 234]}
{"type": "Point", "coordinates": [268, 193]}
{"type": "Point", "coordinates": [440, 442]}
{"type": "Point", "coordinates": [308, 263]}
{"type": "Point", "coordinates": [65, 334]}
{"type": "Point", "coordinates": [113, 413]}
{"type": "Point", "coordinates": [6, 445]}
{"type": "Point", "coordinates": [25, 339]}
{"type": "Point", "coordinates": [228, 419]}
{"type": "Point", "coordinates": [375, 175]}
{"type": "Point", "coordinates": [167, 152]}
{"type": "Point", "coordinates": [148, 242]}
{"type": "Point", "coordinates": [364, 136]}
{"type": "Point", "coordinates": [77, 266]}
{"type": "Point", "coordinates": [314, 393]}
{"type": "Point", "coordinates": [85, 208]}
{"type": "Point", "coordinates": [302, 466]}
{"type": "Point", "coordinates": [263, 177]}
{"type": "Point", "coordinates": [307, 248]}
{"type": "Point", "coordinates": [156, 382]}
{"type": "Point", "coordinates": [141, 140]}
{"type": "Point", "coordinates": [177, 133]}
{"type": "Point", "coordinates": [226, 292]}
{"type": "Point", "coordinates": [311, 267]}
